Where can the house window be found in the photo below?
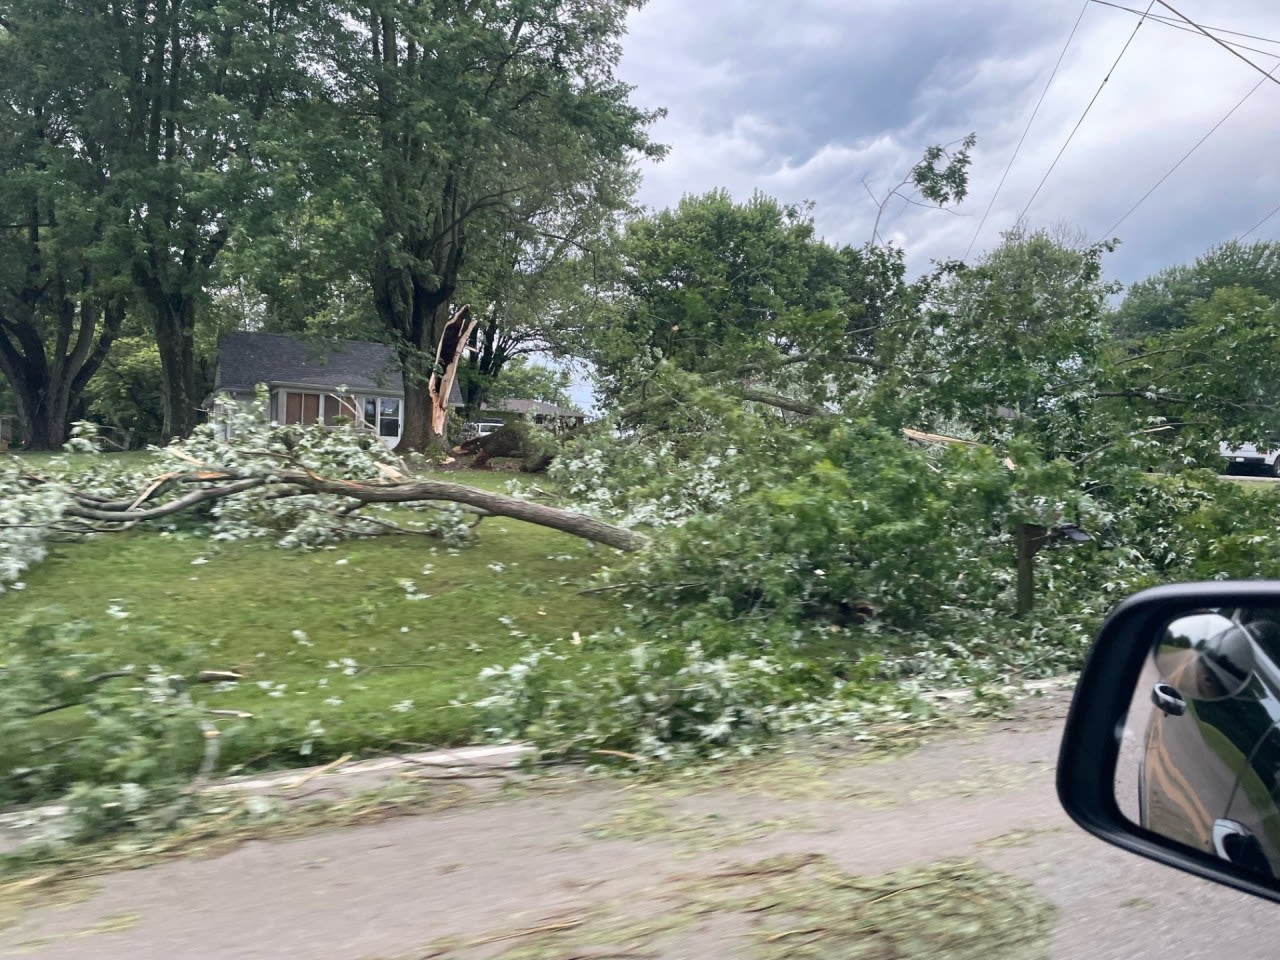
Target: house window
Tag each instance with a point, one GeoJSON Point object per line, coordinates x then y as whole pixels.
{"type": "Point", "coordinates": [308, 408]}
{"type": "Point", "coordinates": [388, 417]}
{"type": "Point", "coordinates": [383, 415]}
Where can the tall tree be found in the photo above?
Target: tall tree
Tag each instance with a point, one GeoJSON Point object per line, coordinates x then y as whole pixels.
{"type": "Point", "coordinates": [524, 380]}
{"type": "Point", "coordinates": [746, 297]}
{"type": "Point", "coordinates": [60, 305]}
{"type": "Point", "coordinates": [1014, 345]}
{"type": "Point", "coordinates": [536, 279]}
{"type": "Point", "coordinates": [450, 114]}
{"type": "Point", "coordinates": [1164, 301]}
{"type": "Point", "coordinates": [164, 100]}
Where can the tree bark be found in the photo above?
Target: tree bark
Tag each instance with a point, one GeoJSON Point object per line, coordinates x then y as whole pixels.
{"type": "Point", "coordinates": [495, 503]}
{"type": "Point", "coordinates": [218, 484]}
{"type": "Point", "coordinates": [416, 431]}
{"type": "Point", "coordinates": [174, 325]}
{"type": "Point", "coordinates": [48, 380]}
{"type": "Point", "coordinates": [448, 355]}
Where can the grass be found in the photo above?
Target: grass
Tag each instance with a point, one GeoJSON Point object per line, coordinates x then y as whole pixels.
{"type": "Point", "coordinates": [40, 461]}
{"type": "Point", "coordinates": [378, 642]}
{"type": "Point", "coordinates": [1257, 485]}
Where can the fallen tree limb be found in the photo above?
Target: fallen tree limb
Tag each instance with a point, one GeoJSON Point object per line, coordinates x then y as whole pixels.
{"type": "Point", "coordinates": [497, 504]}
{"type": "Point", "coordinates": [922, 437]}
{"type": "Point", "coordinates": [218, 676]}
{"type": "Point", "coordinates": [216, 485]}
{"type": "Point", "coordinates": [784, 403]}
{"type": "Point", "coordinates": [133, 515]}
{"type": "Point", "coordinates": [96, 679]}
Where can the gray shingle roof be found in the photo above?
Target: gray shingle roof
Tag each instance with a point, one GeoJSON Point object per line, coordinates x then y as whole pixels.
{"type": "Point", "coordinates": [248, 359]}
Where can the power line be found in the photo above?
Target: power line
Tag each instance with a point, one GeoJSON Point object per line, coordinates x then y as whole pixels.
{"type": "Point", "coordinates": [1220, 42]}
{"type": "Point", "coordinates": [1259, 223]}
{"type": "Point", "coordinates": [1171, 22]}
{"type": "Point", "coordinates": [1096, 94]}
{"type": "Point", "coordinates": [1025, 131]}
{"type": "Point", "coordinates": [1256, 87]}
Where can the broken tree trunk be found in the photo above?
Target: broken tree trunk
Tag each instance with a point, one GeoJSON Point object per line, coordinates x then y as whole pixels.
{"type": "Point", "coordinates": [448, 355]}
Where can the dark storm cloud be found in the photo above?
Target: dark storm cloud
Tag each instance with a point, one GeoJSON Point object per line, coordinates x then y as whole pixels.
{"type": "Point", "coordinates": [812, 99]}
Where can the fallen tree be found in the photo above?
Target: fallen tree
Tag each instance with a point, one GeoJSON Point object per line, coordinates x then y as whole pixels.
{"type": "Point", "coordinates": [302, 486]}
{"type": "Point", "coordinates": [535, 447]}
{"type": "Point", "coordinates": [211, 485]}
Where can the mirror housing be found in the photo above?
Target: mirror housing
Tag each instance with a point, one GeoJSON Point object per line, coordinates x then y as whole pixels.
{"type": "Point", "coordinates": [1118, 675]}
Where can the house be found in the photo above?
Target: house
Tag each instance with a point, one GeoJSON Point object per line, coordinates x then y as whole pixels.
{"type": "Point", "coordinates": [554, 418]}
{"type": "Point", "coordinates": [310, 382]}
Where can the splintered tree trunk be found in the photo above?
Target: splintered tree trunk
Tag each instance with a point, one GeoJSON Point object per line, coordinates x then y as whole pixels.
{"type": "Point", "coordinates": [448, 355]}
{"type": "Point", "coordinates": [426, 394]}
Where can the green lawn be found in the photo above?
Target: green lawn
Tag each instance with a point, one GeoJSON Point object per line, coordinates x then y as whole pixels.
{"type": "Point", "coordinates": [374, 640]}
{"type": "Point", "coordinates": [42, 460]}
{"type": "Point", "coordinates": [1258, 485]}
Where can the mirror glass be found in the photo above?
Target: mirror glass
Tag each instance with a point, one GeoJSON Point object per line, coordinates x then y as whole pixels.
{"type": "Point", "coordinates": [1199, 756]}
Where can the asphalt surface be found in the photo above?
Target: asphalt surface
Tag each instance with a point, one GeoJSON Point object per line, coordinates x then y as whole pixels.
{"type": "Point", "coordinates": [485, 873]}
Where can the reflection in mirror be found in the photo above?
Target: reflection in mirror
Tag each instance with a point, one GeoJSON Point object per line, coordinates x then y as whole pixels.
{"type": "Point", "coordinates": [1199, 760]}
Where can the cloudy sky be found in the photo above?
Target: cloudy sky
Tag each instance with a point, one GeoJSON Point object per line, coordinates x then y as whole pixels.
{"type": "Point", "coordinates": [820, 100]}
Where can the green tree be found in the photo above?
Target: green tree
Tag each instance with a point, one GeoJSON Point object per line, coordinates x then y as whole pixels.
{"type": "Point", "coordinates": [537, 280]}
{"type": "Point", "coordinates": [296, 268]}
{"type": "Point", "coordinates": [1015, 345]}
{"type": "Point", "coordinates": [124, 396]}
{"type": "Point", "coordinates": [523, 379]}
{"type": "Point", "coordinates": [748, 299]}
{"type": "Point", "coordinates": [167, 102]}
{"type": "Point", "coordinates": [1164, 301]}
{"type": "Point", "coordinates": [447, 117]}
{"type": "Point", "coordinates": [1215, 375]}
{"type": "Point", "coordinates": [60, 303]}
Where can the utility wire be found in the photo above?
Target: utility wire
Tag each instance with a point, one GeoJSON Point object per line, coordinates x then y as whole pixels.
{"type": "Point", "coordinates": [1219, 41]}
{"type": "Point", "coordinates": [1256, 87]}
{"type": "Point", "coordinates": [1258, 224]}
{"type": "Point", "coordinates": [1025, 131]}
{"type": "Point", "coordinates": [1171, 22]}
{"type": "Point", "coordinates": [1267, 75]}
{"type": "Point", "coordinates": [1096, 94]}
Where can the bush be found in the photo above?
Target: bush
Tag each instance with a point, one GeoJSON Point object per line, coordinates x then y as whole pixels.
{"type": "Point", "coordinates": [666, 697]}
{"type": "Point", "coordinates": [70, 717]}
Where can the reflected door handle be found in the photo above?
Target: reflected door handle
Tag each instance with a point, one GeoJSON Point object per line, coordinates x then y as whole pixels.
{"type": "Point", "coordinates": [1168, 700]}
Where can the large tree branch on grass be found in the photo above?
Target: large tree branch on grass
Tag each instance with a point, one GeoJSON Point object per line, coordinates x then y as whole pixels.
{"type": "Point", "coordinates": [220, 484]}
{"type": "Point", "coordinates": [494, 503]}
{"type": "Point", "coordinates": [166, 509]}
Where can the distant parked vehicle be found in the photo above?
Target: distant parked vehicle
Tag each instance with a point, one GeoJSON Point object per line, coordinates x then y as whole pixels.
{"type": "Point", "coordinates": [483, 428]}
{"type": "Point", "coordinates": [1248, 456]}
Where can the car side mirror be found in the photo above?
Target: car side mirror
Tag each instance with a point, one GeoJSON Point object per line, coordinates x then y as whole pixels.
{"type": "Point", "coordinates": [1172, 746]}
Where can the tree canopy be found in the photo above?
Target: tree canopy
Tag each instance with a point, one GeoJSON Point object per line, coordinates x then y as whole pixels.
{"type": "Point", "coordinates": [1163, 302]}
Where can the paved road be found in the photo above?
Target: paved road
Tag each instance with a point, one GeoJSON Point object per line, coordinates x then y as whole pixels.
{"type": "Point", "coordinates": [491, 870]}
